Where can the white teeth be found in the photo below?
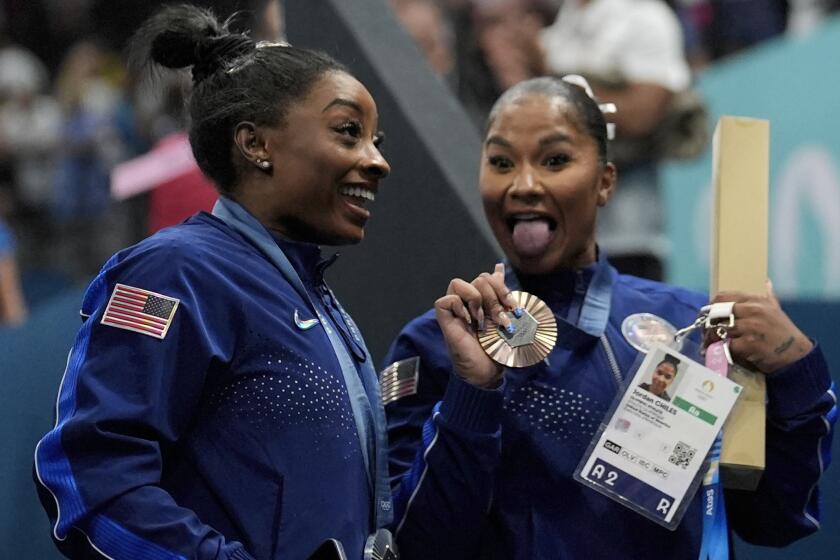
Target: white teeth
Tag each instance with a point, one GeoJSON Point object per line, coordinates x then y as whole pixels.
{"type": "Point", "coordinates": [358, 192]}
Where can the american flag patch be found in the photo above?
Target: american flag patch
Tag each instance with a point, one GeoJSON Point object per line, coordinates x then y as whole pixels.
{"type": "Point", "coordinates": [399, 379]}
{"type": "Point", "coordinates": [140, 311]}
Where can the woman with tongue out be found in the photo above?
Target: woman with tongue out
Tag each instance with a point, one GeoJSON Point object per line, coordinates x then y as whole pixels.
{"type": "Point", "coordinates": [497, 449]}
{"type": "Point", "coordinates": [218, 403]}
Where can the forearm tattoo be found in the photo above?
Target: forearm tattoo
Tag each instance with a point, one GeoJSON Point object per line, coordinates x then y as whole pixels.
{"type": "Point", "coordinates": [781, 348]}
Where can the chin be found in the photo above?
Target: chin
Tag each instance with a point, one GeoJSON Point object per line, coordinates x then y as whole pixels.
{"type": "Point", "coordinates": [347, 238]}
{"type": "Point", "coordinates": [533, 266]}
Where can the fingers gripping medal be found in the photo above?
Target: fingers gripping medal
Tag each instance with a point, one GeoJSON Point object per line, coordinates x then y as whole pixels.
{"type": "Point", "coordinates": [533, 338]}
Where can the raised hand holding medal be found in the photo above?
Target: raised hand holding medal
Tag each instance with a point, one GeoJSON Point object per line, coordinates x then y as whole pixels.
{"type": "Point", "coordinates": [465, 309]}
{"type": "Point", "coordinates": [485, 310]}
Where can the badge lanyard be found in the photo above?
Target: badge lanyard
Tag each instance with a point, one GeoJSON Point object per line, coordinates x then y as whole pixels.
{"type": "Point", "coordinates": [715, 544]}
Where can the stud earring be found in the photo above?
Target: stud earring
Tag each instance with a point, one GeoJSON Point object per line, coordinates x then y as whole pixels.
{"type": "Point", "coordinates": [263, 164]}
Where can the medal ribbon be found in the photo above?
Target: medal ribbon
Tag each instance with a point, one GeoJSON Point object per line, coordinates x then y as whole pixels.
{"type": "Point", "coordinates": [594, 311]}
{"type": "Point", "coordinates": [715, 545]}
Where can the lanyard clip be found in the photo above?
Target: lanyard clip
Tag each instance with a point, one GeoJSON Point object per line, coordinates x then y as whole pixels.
{"type": "Point", "coordinates": [719, 317]}
{"type": "Point", "coordinates": [685, 331]}
{"type": "Point", "coordinates": [715, 316]}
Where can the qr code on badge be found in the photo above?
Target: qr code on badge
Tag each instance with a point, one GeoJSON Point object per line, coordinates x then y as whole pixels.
{"type": "Point", "coordinates": [682, 455]}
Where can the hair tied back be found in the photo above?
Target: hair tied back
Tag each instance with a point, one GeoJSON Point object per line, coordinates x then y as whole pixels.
{"type": "Point", "coordinates": [606, 108]}
{"type": "Point", "coordinates": [213, 52]}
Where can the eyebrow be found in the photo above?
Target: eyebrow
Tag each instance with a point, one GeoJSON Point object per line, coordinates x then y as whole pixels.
{"type": "Point", "coordinates": [498, 140]}
{"type": "Point", "coordinates": [344, 102]}
{"type": "Point", "coordinates": [551, 139]}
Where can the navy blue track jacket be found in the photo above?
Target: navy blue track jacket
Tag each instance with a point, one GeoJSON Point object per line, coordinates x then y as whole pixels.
{"type": "Point", "coordinates": [487, 474]}
{"type": "Point", "coordinates": [232, 436]}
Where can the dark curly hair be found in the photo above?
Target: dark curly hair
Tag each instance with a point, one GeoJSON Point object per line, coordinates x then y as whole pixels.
{"type": "Point", "coordinates": [234, 79]}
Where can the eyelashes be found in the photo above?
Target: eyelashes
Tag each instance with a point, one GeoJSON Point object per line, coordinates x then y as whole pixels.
{"type": "Point", "coordinates": [500, 162]}
{"type": "Point", "coordinates": [353, 130]}
{"type": "Point", "coordinates": [555, 161]}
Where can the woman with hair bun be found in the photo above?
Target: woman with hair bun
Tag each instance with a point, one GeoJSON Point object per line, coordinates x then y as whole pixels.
{"type": "Point", "coordinates": [218, 402]}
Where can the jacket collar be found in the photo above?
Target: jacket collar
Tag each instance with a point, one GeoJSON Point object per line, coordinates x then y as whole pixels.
{"type": "Point", "coordinates": [585, 293]}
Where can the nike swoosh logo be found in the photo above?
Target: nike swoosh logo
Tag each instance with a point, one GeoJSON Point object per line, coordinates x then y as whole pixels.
{"type": "Point", "coordinates": [304, 324]}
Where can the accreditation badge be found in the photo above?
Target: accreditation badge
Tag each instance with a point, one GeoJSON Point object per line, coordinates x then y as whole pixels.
{"type": "Point", "coordinates": [650, 452]}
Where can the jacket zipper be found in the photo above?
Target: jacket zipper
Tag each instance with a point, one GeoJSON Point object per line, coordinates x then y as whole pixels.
{"type": "Point", "coordinates": [611, 359]}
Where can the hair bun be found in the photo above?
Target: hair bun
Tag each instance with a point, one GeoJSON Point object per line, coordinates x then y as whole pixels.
{"type": "Point", "coordinates": [213, 52]}
{"type": "Point", "coordinates": [175, 37]}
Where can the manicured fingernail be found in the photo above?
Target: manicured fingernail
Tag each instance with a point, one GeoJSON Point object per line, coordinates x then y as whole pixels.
{"type": "Point", "coordinates": [511, 328]}
{"type": "Point", "coordinates": [518, 312]}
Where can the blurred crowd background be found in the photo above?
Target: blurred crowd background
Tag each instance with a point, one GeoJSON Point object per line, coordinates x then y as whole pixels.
{"type": "Point", "coordinates": [83, 142]}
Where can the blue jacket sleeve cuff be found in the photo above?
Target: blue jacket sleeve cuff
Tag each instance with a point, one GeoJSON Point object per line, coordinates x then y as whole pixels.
{"type": "Point", "coordinates": [795, 388]}
{"type": "Point", "coordinates": [472, 408]}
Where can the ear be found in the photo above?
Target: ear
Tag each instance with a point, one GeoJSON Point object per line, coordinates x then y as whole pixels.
{"type": "Point", "coordinates": [606, 186]}
{"type": "Point", "coordinates": [252, 144]}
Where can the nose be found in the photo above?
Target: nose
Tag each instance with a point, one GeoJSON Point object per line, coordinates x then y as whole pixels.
{"type": "Point", "coordinates": [374, 165]}
{"type": "Point", "coordinates": [526, 184]}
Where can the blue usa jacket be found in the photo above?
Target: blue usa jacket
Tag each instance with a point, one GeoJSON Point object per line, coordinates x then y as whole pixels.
{"type": "Point", "coordinates": [488, 473]}
{"type": "Point", "coordinates": [252, 429]}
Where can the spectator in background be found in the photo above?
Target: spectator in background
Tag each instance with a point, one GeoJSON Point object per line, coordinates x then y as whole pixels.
{"type": "Point", "coordinates": [805, 15]}
{"type": "Point", "coordinates": [89, 147]}
{"type": "Point", "coordinates": [270, 24]}
{"type": "Point", "coordinates": [504, 31]}
{"type": "Point", "coordinates": [12, 307]}
{"type": "Point", "coordinates": [29, 126]}
{"type": "Point", "coordinates": [426, 23]}
{"type": "Point", "coordinates": [176, 187]}
{"type": "Point", "coordinates": [496, 46]}
{"type": "Point", "coordinates": [632, 53]}
{"type": "Point", "coordinates": [718, 28]}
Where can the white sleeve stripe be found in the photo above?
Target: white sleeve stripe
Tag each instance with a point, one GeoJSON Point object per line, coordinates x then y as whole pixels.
{"type": "Point", "coordinates": [807, 515]}
{"type": "Point", "coordinates": [422, 477]}
{"type": "Point", "coordinates": [37, 466]}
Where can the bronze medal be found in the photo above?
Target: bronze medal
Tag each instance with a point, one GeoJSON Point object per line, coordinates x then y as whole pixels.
{"type": "Point", "coordinates": [532, 340]}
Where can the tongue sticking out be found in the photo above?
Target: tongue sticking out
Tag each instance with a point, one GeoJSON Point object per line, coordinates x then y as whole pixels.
{"type": "Point", "coordinates": [531, 237]}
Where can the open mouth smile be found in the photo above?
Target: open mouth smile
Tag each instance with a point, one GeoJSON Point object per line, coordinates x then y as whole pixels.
{"type": "Point", "coordinates": [359, 195]}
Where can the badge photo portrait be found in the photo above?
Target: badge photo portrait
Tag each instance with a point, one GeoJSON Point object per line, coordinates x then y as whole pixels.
{"type": "Point", "coordinates": [663, 378]}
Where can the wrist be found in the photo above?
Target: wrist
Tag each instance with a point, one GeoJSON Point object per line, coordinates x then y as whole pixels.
{"type": "Point", "coordinates": [471, 408]}
{"type": "Point", "coordinates": [488, 380]}
{"type": "Point", "coordinates": [789, 352]}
